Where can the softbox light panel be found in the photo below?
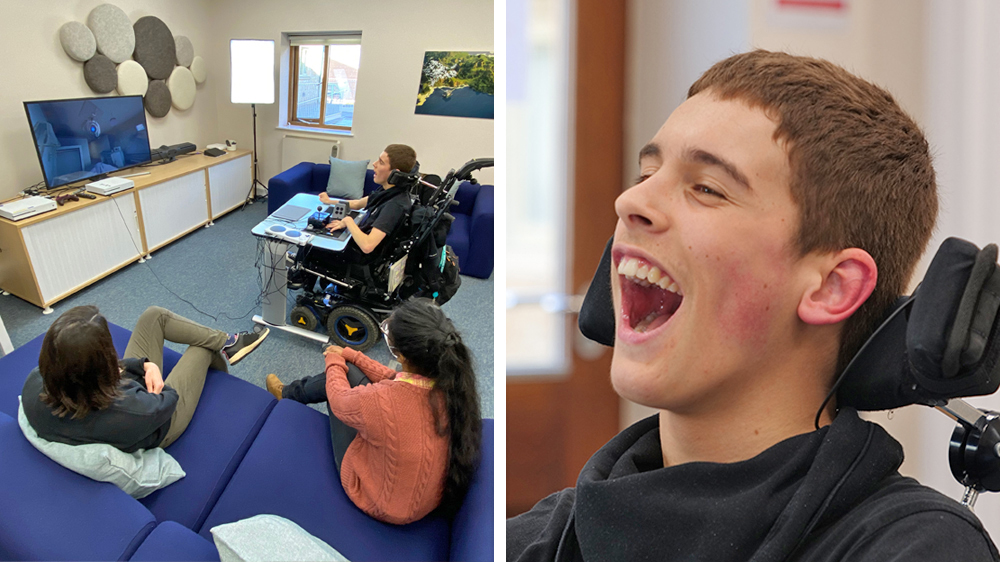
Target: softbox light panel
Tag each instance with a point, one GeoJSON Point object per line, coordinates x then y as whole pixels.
{"type": "Point", "coordinates": [252, 65]}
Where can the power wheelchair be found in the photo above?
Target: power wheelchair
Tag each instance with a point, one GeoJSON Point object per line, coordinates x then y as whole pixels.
{"type": "Point", "coordinates": [351, 292]}
{"type": "Point", "coordinates": [934, 347]}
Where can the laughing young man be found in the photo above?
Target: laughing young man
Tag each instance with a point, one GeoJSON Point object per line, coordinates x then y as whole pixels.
{"type": "Point", "coordinates": [779, 211]}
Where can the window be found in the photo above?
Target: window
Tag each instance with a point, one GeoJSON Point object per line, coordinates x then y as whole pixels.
{"type": "Point", "coordinates": [538, 165]}
{"type": "Point", "coordinates": [323, 75]}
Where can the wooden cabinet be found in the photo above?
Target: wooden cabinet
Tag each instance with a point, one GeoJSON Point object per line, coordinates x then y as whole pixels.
{"type": "Point", "coordinates": [229, 185]}
{"type": "Point", "coordinates": [48, 257]}
{"type": "Point", "coordinates": [173, 208]}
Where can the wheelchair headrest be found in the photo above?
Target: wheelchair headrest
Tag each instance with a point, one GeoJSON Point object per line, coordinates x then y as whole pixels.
{"type": "Point", "coordinates": [941, 342]}
{"type": "Point", "coordinates": [597, 314]}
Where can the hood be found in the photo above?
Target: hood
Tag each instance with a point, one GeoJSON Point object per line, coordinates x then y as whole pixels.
{"type": "Point", "coordinates": [629, 507]}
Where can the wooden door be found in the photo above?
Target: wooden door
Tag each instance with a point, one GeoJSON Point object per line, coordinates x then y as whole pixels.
{"type": "Point", "coordinates": [554, 424]}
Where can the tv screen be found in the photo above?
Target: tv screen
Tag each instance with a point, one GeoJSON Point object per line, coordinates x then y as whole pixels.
{"type": "Point", "coordinates": [84, 138]}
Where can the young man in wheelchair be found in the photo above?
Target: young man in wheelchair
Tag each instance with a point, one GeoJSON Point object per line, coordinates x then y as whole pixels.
{"type": "Point", "coordinates": [779, 211]}
{"type": "Point", "coordinates": [386, 207]}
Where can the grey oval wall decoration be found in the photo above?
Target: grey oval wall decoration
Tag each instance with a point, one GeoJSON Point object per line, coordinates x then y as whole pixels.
{"type": "Point", "coordinates": [144, 58]}
{"type": "Point", "coordinates": [113, 32]}
{"type": "Point", "coordinates": [154, 47]}
{"type": "Point", "coordinates": [78, 41]}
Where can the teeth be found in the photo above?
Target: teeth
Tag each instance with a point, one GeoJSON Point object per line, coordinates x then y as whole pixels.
{"type": "Point", "coordinates": [646, 275]}
{"type": "Point", "coordinates": [631, 266]}
{"type": "Point", "coordinates": [644, 323]}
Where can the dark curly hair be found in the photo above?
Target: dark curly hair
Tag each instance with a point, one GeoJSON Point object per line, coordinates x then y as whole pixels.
{"type": "Point", "coordinates": [429, 342]}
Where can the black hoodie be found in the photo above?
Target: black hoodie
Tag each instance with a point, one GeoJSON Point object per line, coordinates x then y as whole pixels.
{"type": "Point", "coordinates": [830, 495]}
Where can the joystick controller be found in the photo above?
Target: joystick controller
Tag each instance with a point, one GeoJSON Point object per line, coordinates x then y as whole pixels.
{"type": "Point", "coordinates": [319, 219]}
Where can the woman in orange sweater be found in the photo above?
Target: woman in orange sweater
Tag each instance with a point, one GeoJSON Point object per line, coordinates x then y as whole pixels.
{"type": "Point", "coordinates": [405, 443]}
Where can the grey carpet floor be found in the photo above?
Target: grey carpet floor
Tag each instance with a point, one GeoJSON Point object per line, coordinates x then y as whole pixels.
{"type": "Point", "coordinates": [210, 276]}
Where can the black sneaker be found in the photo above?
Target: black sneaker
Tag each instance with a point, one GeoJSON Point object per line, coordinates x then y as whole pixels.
{"type": "Point", "coordinates": [245, 343]}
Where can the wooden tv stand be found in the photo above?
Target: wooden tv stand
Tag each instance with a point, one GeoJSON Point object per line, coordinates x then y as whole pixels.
{"type": "Point", "coordinates": [48, 257]}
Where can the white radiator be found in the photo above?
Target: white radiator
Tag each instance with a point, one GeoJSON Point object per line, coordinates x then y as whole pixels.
{"type": "Point", "coordinates": [301, 148]}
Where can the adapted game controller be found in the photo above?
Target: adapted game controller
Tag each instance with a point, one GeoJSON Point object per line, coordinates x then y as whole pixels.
{"type": "Point", "coordinates": [288, 234]}
{"type": "Point", "coordinates": [320, 219]}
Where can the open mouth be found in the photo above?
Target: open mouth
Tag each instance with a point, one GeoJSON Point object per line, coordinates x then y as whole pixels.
{"type": "Point", "coordinates": [649, 296]}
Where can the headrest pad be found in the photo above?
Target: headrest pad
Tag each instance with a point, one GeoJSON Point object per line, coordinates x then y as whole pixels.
{"type": "Point", "coordinates": [597, 313]}
{"type": "Point", "coordinates": [941, 343]}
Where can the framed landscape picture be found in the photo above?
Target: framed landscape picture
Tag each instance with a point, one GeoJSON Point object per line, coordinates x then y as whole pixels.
{"type": "Point", "coordinates": [456, 84]}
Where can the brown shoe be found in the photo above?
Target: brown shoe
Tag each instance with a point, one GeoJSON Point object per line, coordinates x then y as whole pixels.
{"type": "Point", "coordinates": [274, 385]}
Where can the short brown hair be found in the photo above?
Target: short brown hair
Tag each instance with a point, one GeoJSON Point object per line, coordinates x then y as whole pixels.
{"type": "Point", "coordinates": [861, 170]}
{"type": "Point", "coordinates": [78, 363]}
{"type": "Point", "coordinates": [401, 157]}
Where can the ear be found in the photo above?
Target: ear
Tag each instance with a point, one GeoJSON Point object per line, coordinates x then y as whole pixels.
{"type": "Point", "coordinates": [847, 280]}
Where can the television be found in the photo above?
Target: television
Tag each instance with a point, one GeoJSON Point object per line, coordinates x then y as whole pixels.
{"type": "Point", "coordinates": [80, 139]}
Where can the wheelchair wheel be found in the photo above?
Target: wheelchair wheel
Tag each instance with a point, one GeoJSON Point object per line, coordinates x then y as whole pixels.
{"type": "Point", "coordinates": [303, 317]}
{"type": "Point", "coordinates": [352, 326]}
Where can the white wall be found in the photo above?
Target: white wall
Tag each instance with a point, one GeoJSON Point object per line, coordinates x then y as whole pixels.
{"type": "Point", "coordinates": [881, 41]}
{"type": "Point", "coordinates": [37, 68]}
{"type": "Point", "coordinates": [395, 36]}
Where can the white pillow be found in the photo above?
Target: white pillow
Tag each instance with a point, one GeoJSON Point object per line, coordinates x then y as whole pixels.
{"type": "Point", "coordinates": [139, 474]}
{"type": "Point", "coordinates": [269, 537]}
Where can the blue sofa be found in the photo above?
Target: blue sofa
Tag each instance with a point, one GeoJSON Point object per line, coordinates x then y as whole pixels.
{"type": "Point", "coordinates": [471, 235]}
{"type": "Point", "coordinates": [245, 454]}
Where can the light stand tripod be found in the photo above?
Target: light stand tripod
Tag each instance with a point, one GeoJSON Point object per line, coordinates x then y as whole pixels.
{"type": "Point", "coordinates": [252, 192]}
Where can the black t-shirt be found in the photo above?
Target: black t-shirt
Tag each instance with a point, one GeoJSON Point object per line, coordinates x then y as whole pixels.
{"type": "Point", "coordinates": [386, 209]}
{"type": "Point", "coordinates": [136, 420]}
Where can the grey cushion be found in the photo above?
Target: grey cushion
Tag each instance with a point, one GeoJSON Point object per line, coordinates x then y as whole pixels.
{"type": "Point", "coordinates": [185, 50]}
{"type": "Point", "coordinates": [154, 47]}
{"type": "Point", "coordinates": [100, 74]}
{"type": "Point", "coordinates": [157, 98]}
{"type": "Point", "coordinates": [113, 32]}
{"type": "Point", "coordinates": [269, 537]}
{"type": "Point", "coordinates": [347, 178]}
{"type": "Point", "coordinates": [78, 41]}
{"type": "Point", "coordinates": [138, 474]}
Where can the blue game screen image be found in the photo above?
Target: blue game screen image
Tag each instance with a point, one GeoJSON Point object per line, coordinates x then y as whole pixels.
{"type": "Point", "coordinates": [84, 138]}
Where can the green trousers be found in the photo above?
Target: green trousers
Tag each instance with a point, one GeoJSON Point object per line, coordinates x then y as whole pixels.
{"type": "Point", "coordinates": [157, 324]}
